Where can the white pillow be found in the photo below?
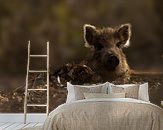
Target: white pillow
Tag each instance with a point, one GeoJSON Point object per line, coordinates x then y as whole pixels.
{"type": "Point", "coordinates": [101, 95]}
{"type": "Point", "coordinates": [71, 93]}
{"type": "Point", "coordinates": [124, 85]}
{"type": "Point", "coordinates": [131, 91]}
{"type": "Point", "coordinates": [109, 87]}
{"type": "Point", "coordinates": [143, 93]}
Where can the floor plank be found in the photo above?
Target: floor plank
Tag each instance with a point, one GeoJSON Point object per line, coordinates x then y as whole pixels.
{"type": "Point", "coordinates": [21, 126]}
{"type": "Point", "coordinates": [19, 117]}
{"type": "Point", "coordinates": [39, 124]}
{"type": "Point", "coordinates": [12, 127]}
{"type": "Point", "coordinates": [2, 123]}
{"type": "Point", "coordinates": [5, 126]}
{"type": "Point", "coordinates": [30, 125]}
{"type": "Point", "coordinates": [18, 126]}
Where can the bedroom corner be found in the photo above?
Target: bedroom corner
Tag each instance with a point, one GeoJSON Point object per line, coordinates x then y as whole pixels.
{"type": "Point", "coordinates": [86, 65]}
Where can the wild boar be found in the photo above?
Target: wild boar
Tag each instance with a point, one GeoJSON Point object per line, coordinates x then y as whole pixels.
{"type": "Point", "coordinates": [107, 58]}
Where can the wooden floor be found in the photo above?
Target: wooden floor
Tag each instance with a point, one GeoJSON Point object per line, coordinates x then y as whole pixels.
{"type": "Point", "coordinates": [14, 121]}
{"type": "Point", "coordinates": [18, 126]}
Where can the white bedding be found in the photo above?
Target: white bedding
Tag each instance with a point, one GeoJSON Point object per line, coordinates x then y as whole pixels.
{"type": "Point", "coordinates": [104, 114]}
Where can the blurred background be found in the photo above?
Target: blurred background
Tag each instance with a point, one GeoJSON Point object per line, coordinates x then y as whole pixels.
{"type": "Point", "coordinates": [61, 23]}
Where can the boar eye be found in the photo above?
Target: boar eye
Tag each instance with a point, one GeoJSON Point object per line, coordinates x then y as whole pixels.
{"type": "Point", "coordinates": [99, 46]}
{"type": "Point", "coordinates": [119, 44]}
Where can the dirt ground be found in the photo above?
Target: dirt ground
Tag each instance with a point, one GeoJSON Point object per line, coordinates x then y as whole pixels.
{"type": "Point", "coordinates": [13, 101]}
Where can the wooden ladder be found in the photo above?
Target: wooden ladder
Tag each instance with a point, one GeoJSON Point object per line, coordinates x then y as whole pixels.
{"type": "Point", "coordinates": [27, 90]}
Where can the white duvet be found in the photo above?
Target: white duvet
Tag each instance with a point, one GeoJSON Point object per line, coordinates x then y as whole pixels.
{"type": "Point", "coordinates": [105, 114]}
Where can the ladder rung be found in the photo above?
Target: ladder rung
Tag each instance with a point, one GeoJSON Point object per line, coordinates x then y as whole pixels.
{"type": "Point", "coordinates": [37, 105]}
{"type": "Point", "coordinates": [37, 71]}
{"type": "Point", "coordinates": [38, 55]}
{"type": "Point", "coordinates": [37, 89]}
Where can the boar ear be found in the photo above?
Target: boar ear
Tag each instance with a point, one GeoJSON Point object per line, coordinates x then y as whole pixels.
{"type": "Point", "coordinates": [125, 34]}
{"type": "Point", "coordinates": [89, 33]}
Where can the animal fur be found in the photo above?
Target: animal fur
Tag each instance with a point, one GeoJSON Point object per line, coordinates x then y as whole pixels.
{"type": "Point", "coordinates": [105, 43]}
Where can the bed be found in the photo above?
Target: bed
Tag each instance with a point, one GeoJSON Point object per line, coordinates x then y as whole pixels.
{"type": "Point", "coordinates": [105, 113]}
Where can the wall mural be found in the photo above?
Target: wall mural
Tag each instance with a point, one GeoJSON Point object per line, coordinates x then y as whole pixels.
{"type": "Point", "coordinates": [90, 42]}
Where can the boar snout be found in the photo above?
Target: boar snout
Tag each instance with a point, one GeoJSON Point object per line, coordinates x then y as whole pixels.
{"type": "Point", "coordinates": [111, 61]}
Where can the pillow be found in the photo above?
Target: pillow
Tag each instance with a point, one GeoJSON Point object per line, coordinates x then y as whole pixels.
{"type": "Point", "coordinates": [76, 92]}
{"type": "Point", "coordinates": [70, 95]}
{"type": "Point", "coordinates": [143, 90]}
{"type": "Point", "coordinates": [124, 85]}
{"type": "Point", "coordinates": [131, 92]}
{"type": "Point", "coordinates": [101, 95]}
{"type": "Point", "coordinates": [109, 87]}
